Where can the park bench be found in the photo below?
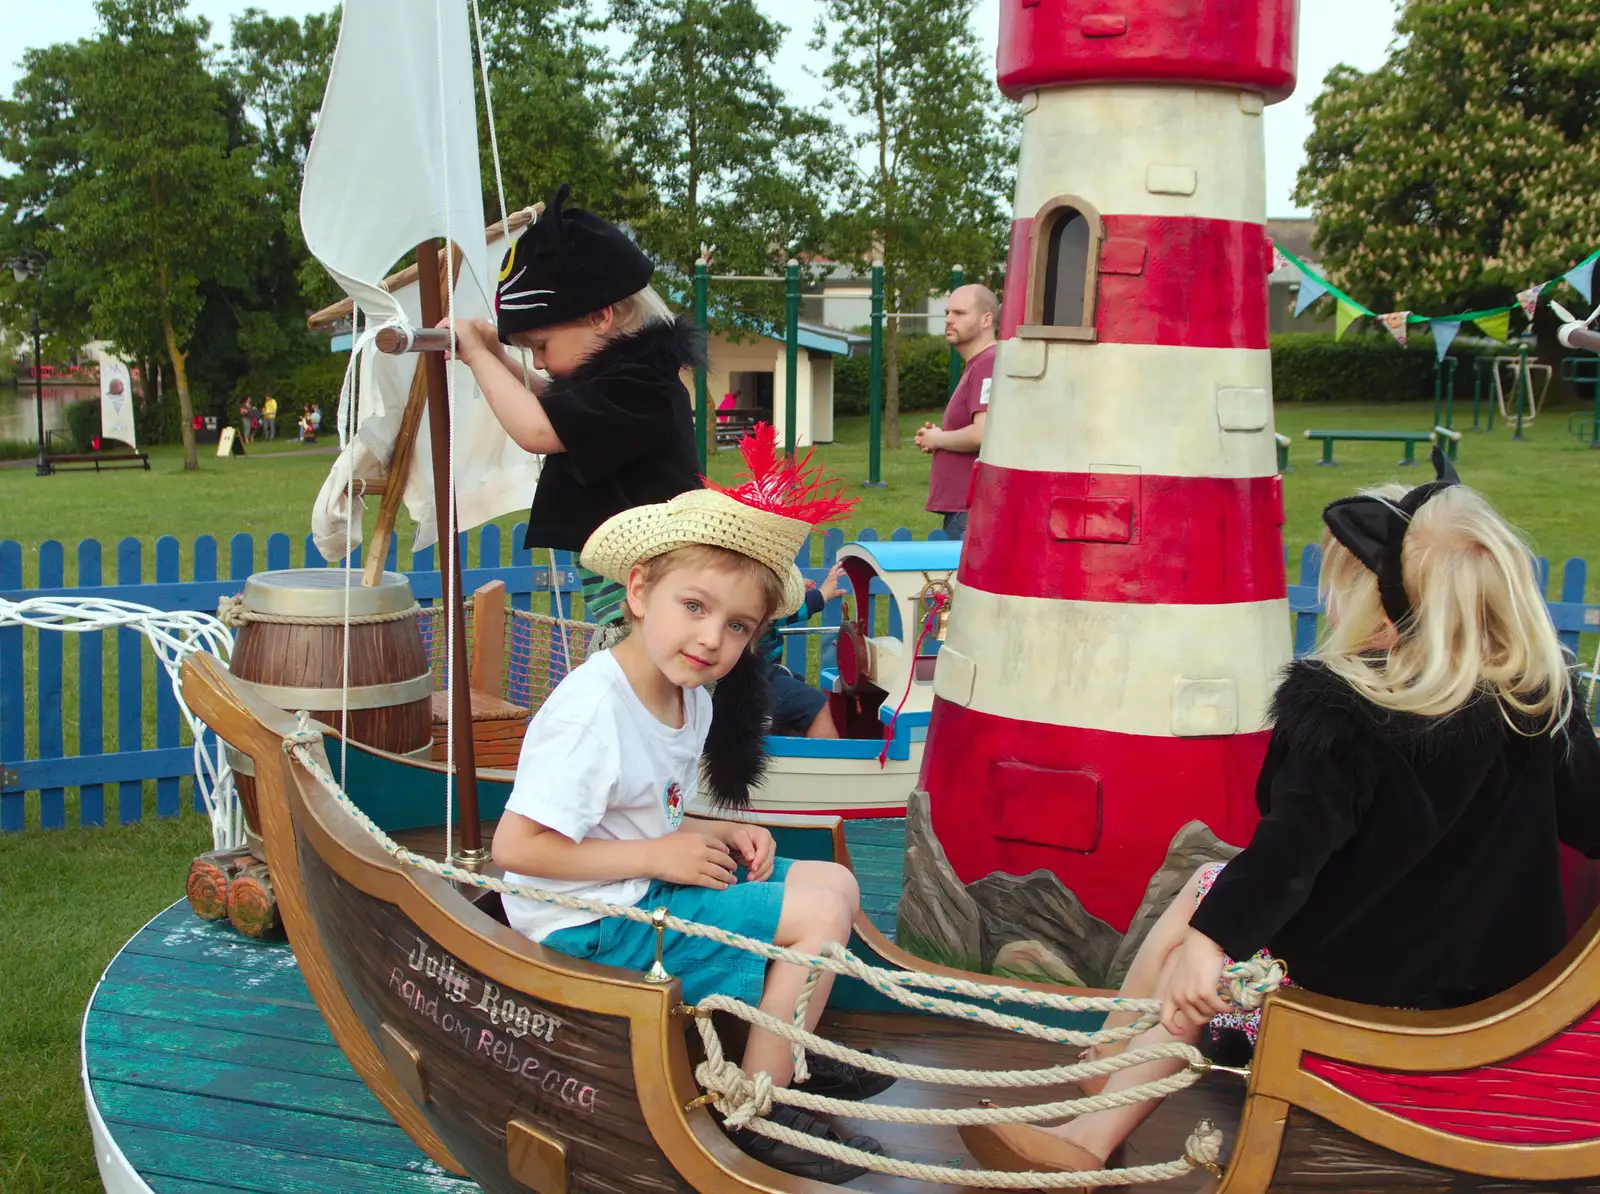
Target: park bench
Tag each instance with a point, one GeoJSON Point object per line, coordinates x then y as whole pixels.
{"type": "Point", "coordinates": [734, 425]}
{"type": "Point", "coordinates": [1446, 438]}
{"type": "Point", "coordinates": [66, 461]}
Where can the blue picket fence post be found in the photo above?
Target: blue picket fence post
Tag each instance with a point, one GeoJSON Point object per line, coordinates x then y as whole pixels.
{"type": "Point", "coordinates": [531, 583]}
{"type": "Point", "coordinates": [130, 687]}
{"type": "Point", "coordinates": [12, 805]}
{"type": "Point", "coordinates": [91, 701]}
{"type": "Point", "coordinates": [168, 734]}
{"type": "Point", "coordinates": [47, 703]}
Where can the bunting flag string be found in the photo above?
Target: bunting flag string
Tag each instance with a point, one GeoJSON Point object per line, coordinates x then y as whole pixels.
{"type": "Point", "coordinates": [1346, 314]}
{"type": "Point", "coordinates": [1497, 326]}
{"type": "Point", "coordinates": [1581, 278]}
{"type": "Point", "coordinates": [1395, 321]}
{"type": "Point", "coordinates": [1311, 289]}
{"type": "Point", "coordinates": [1444, 333]}
{"type": "Point", "coordinates": [1528, 299]}
{"type": "Point", "coordinates": [1494, 322]}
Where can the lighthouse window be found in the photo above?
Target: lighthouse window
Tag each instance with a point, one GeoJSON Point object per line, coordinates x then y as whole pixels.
{"type": "Point", "coordinates": [1066, 269]}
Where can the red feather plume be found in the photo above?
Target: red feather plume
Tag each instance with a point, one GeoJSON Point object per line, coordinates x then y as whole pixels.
{"type": "Point", "coordinates": [794, 488]}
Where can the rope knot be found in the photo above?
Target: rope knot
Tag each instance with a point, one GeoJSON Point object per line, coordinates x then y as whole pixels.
{"type": "Point", "coordinates": [232, 612]}
{"type": "Point", "coordinates": [738, 1096]}
{"type": "Point", "coordinates": [303, 736]}
{"type": "Point", "coordinates": [1247, 984]}
{"type": "Point", "coordinates": [1203, 1149]}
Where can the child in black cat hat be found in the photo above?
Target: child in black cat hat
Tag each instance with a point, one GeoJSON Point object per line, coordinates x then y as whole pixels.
{"type": "Point", "coordinates": [613, 421]}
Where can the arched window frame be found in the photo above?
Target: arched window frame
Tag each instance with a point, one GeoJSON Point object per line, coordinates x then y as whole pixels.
{"type": "Point", "coordinates": [1044, 222]}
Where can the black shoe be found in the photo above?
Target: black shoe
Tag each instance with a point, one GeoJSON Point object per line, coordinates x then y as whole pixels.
{"type": "Point", "coordinates": [840, 1080]}
{"type": "Point", "coordinates": [798, 1161]}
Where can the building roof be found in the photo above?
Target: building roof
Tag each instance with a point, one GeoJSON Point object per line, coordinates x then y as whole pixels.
{"type": "Point", "coordinates": [1295, 235]}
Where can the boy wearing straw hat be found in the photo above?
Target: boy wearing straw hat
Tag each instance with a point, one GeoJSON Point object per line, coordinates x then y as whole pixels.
{"type": "Point", "coordinates": [613, 758]}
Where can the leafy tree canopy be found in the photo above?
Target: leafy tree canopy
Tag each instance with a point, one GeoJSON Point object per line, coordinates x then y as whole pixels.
{"type": "Point", "coordinates": [1466, 167]}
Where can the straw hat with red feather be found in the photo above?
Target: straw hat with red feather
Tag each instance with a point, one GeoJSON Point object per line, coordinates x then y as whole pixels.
{"type": "Point", "coordinates": [768, 517]}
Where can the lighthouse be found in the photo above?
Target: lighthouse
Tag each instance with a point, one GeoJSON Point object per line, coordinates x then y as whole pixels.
{"type": "Point", "coordinates": [1120, 617]}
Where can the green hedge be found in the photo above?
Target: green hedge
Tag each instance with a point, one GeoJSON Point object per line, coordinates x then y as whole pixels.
{"type": "Point", "coordinates": [1306, 367]}
{"type": "Point", "coordinates": [155, 424]}
{"type": "Point", "coordinates": [1313, 367]}
{"type": "Point", "coordinates": [924, 376]}
{"type": "Point", "coordinates": [316, 381]}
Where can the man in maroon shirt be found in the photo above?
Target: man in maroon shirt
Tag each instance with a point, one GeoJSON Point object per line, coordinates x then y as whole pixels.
{"type": "Point", "coordinates": [969, 322]}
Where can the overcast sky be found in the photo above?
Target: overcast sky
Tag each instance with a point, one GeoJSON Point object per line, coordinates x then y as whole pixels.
{"type": "Point", "coordinates": [1331, 31]}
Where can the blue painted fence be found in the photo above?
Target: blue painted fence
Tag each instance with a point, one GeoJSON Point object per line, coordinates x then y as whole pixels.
{"type": "Point", "coordinates": [125, 764]}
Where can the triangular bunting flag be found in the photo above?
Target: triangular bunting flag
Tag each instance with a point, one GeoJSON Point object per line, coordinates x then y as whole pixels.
{"type": "Point", "coordinates": [1497, 327]}
{"type": "Point", "coordinates": [1343, 318]}
{"type": "Point", "coordinates": [1581, 278]}
{"type": "Point", "coordinates": [1395, 321]}
{"type": "Point", "coordinates": [1528, 299]}
{"type": "Point", "coordinates": [1279, 261]}
{"type": "Point", "coordinates": [1444, 333]}
{"type": "Point", "coordinates": [1310, 291]}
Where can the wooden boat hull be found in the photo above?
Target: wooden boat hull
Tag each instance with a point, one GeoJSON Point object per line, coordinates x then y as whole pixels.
{"type": "Point", "coordinates": [530, 1070]}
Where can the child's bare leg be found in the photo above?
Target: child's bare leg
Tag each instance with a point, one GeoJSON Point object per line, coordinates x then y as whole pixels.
{"type": "Point", "coordinates": [822, 725]}
{"type": "Point", "coordinates": [832, 876]}
{"type": "Point", "coordinates": [813, 916]}
{"type": "Point", "coordinates": [1165, 935]}
{"type": "Point", "coordinates": [1100, 1132]}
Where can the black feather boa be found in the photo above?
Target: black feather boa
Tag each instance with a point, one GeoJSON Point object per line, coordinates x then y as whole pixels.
{"type": "Point", "coordinates": [735, 758]}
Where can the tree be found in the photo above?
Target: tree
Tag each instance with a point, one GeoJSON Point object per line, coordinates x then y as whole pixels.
{"type": "Point", "coordinates": [279, 68]}
{"type": "Point", "coordinates": [39, 138]}
{"type": "Point", "coordinates": [939, 150]}
{"type": "Point", "coordinates": [168, 195]}
{"type": "Point", "coordinates": [1465, 167]}
{"type": "Point", "coordinates": [728, 161]}
{"type": "Point", "coordinates": [550, 88]}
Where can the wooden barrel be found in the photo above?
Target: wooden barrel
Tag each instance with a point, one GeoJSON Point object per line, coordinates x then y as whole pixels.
{"type": "Point", "coordinates": [289, 650]}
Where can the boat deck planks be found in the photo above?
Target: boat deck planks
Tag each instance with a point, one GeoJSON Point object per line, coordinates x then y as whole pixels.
{"type": "Point", "coordinates": [214, 1071]}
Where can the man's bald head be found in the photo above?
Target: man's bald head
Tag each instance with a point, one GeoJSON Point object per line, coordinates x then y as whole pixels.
{"type": "Point", "coordinates": [970, 318]}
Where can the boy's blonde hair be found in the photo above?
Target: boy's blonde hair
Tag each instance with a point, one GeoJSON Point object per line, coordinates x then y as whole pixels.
{"type": "Point", "coordinates": [1478, 625]}
{"type": "Point", "coordinates": [704, 555]}
{"type": "Point", "coordinates": [639, 310]}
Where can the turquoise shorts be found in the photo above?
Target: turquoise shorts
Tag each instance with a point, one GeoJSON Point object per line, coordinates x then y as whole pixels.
{"type": "Point", "coordinates": [704, 967]}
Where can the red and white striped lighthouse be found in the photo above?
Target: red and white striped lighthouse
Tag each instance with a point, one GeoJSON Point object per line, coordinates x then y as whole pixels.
{"type": "Point", "coordinates": [1120, 617]}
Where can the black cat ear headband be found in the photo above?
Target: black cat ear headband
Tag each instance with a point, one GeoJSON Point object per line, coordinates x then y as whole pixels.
{"type": "Point", "coordinates": [1374, 528]}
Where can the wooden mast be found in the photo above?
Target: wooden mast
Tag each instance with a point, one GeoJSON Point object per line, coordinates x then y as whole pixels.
{"type": "Point", "coordinates": [433, 363]}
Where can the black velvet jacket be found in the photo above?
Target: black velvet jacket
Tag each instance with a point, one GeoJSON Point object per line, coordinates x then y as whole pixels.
{"type": "Point", "coordinates": [627, 434]}
{"type": "Point", "coordinates": [1401, 860]}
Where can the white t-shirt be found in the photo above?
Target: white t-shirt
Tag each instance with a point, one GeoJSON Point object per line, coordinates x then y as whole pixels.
{"type": "Point", "coordinates": [597, 764]}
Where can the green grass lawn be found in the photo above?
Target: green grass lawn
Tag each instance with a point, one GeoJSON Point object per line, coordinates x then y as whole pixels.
{"type": "Point", "coordinates": [1547, 484]}
{"type": "Point", "coordinates": [69, 899]}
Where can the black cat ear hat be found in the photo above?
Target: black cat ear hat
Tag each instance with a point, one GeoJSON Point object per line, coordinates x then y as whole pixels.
{"type": "Point", "coordinates": [1374, 529]}
{"type": "Point", "coordinates": [569, 263]}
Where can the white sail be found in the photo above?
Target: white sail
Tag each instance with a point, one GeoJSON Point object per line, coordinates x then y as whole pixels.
{"type": "Point", "coordinates": [395, 155]}
{"type": "Point", "coordinates": [394, 162]}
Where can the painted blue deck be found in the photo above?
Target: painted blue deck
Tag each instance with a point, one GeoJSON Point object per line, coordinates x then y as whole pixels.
{"type": "Point", "coordinates": [214, 1070]}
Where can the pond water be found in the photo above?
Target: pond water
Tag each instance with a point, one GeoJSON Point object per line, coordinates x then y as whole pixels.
{"type": "Point", "coordinates": [18, 421]}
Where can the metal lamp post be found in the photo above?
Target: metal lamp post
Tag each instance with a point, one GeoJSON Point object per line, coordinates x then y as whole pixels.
{"type": "Point", "coordinates": [25, 265]}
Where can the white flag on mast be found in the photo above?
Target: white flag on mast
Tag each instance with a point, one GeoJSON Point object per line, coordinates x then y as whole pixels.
{"type": "Point", "coordinates": [393, 164]}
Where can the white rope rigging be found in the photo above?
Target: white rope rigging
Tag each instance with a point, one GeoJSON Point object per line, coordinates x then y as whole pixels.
{"type": "Point", "coordinates": [449, 545]}
{"type": "Point", "coordinates": [747, 1100]}
{"type": "Point", "coordinates": [173, 635]}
